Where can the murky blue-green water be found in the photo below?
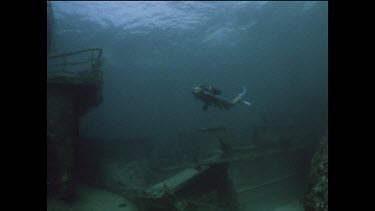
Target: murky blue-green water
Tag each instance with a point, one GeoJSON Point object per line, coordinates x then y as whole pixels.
{"type": "Point", "coordinates": [154, 53]}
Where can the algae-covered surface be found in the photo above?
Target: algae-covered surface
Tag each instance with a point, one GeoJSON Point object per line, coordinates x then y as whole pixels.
{"type": "Point", "coordinates": [317, 194]}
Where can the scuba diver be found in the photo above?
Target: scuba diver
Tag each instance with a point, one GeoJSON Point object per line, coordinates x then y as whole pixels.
{"type": "Point", "coordinates": [212, 96]}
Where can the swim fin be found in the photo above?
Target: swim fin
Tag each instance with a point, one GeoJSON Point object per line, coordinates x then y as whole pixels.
{"type": "Point", "coordinates": [246, 102]}
{"type": "Point", "coordinates": [242, 94]}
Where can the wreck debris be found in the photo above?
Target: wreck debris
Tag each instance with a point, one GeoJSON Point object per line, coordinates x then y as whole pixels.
{"type": "Point", "coordinates": [183, 190]}
{"type": "Point", "coordinates": [205, 185]}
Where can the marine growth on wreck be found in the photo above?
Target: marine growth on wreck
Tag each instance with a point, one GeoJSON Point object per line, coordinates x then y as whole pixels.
{"type": "Point", "coordinates": [317, 194]}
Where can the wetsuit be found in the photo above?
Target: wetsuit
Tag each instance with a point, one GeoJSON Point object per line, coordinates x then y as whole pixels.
{"type": "Point", "coordinates": [211, 96]}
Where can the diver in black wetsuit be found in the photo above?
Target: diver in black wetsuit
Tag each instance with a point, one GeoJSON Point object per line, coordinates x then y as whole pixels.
{"type": "Point", "coordinates": [212, 96]}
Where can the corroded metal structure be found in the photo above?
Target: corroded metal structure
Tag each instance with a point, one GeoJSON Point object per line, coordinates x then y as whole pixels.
{"type": "Point", "coordinates": [74, 84]}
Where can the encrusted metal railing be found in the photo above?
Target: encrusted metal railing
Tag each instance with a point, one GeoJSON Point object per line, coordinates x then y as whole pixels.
{"type": "Point", "coordinates": [93, 59]}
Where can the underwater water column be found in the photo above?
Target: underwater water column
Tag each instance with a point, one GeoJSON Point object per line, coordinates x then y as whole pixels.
{"type": "Point", "coordinates": [50, 25]}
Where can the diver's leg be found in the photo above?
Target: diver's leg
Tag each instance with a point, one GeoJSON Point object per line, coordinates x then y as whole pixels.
{"type": "Point", "coordinates": [239, 97]}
